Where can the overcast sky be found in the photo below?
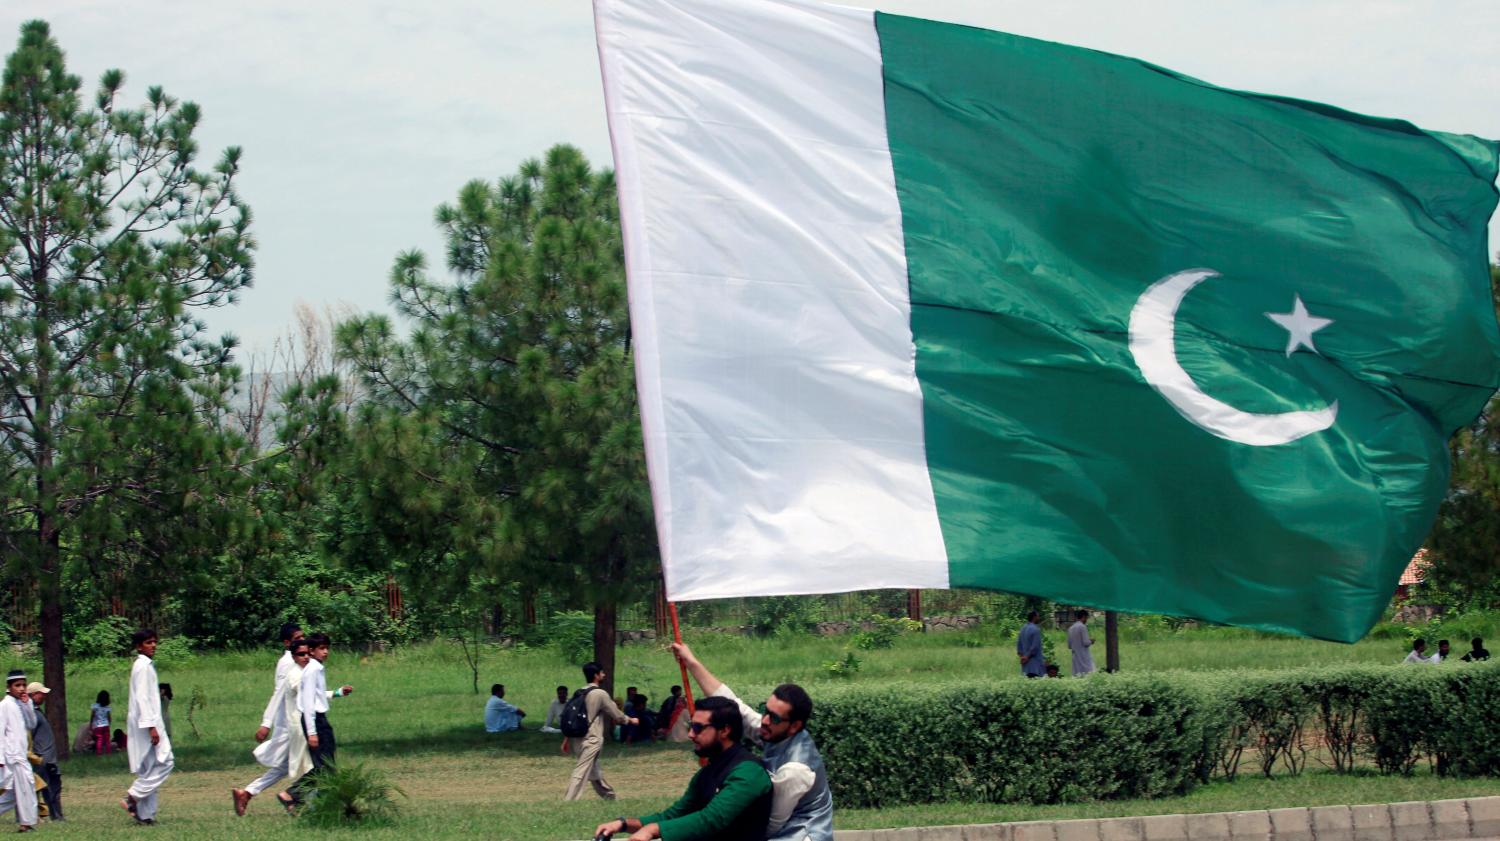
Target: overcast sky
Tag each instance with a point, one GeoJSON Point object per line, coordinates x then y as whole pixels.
{"type": "Point", "coordinates": [357, 119]}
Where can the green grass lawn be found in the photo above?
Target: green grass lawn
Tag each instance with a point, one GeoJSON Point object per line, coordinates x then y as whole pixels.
{"type": "Point", "coordinates": [415, 716]}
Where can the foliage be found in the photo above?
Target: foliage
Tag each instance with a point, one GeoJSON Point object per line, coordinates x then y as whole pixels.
{"type": "Point", "coordinates": [781, 615]}
{"type": "Point", "coordinates": [882, 632]}
{"type": "Point", "coordinates": [108, 636]}
{"type": "Point", "coordinates": [847, 666]}
{"type": "Point", "coordinates": [352, 795]}
{"type": "Point", "coordinates": [501, 438]}
{"type": "Point", "coordinates": [571, 633]}
{"type": "Point", "coordinates": [1116, 736]}
{"type": "Point", "coordinates": [196, 702]}
{"type": "Point", "coordinates": [115, 463]}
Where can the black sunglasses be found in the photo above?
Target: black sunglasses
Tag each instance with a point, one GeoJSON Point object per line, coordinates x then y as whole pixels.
{"type": "Point", "coordinates": [696, 727]}
{"type": "Point", "coordinates": [770, 716]}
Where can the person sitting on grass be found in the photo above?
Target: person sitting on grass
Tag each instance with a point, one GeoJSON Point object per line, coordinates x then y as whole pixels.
{"type": "Point", "coordinates": [729, 799]}
{"type": "Point", "coordinates": [553, 724]}
{"type": "Point", "coordinates": [1478, 653]}
{"type": "Point", "coordinates": [500, 715]}
{"type": "Point", "coordinates": [1418, 655]}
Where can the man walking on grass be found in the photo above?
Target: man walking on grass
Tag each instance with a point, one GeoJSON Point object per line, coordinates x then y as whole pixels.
{"type": "Point", "coordinates": [1081, 644]}
{"type": "Point", "coordinates": [20, 787]}
{"type": "Point", "coordinates": [602, 712]}
{"type": "Point", "coordinates": [729, 799]}
{"type": "Point", "coordinates": [1029, 647]}
{"type": "Point", "coordinates": [313, 697]}
{"type": "Point", "coordinates": [803, 805]}
{"type": "Point", "coordinates": [146, 742]}
{"type": "Point", "coordinates": [273, 725]}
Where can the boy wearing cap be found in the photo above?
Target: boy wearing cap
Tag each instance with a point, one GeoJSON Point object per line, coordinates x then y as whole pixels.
{"type": "Point", "coordinates": [146, 741]}
{"type": "Point", "coordinates": [20, 786]}
{"type": "Point", "coordinates": [45, 746]}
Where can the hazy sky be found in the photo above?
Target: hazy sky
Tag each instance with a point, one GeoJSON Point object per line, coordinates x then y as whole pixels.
{"type": "Point", "coordinates": [357, 119]}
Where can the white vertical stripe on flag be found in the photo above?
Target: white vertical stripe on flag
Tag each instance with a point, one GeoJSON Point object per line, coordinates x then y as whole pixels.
{"type": "Point", "coordinates": [768, 298]}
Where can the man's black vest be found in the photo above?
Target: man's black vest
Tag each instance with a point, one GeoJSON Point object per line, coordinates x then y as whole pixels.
{"type": "Point", "coordinates": [749, 825]}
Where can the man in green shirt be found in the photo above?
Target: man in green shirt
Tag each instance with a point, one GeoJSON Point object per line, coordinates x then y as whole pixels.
{"type": "Point", "coordinates": [729, 799]}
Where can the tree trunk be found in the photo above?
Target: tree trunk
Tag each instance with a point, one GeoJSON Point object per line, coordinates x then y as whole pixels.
{"type": "Point", "coordinates": [914, 605]}
{"type": "Point", "coordinates": [604, 641]}
{"type": "Point", "coordinates": [49, 579]}
{"type": "Point", "coordinates": [1111, 641]}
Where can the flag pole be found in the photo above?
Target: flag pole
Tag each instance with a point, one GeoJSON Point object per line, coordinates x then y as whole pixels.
{"type": "Point", "coordinates": [687, 686]}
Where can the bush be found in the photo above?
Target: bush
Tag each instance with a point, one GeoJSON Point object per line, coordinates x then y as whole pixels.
{"type": "Point", "coordinates": [775, 615]}
{"type": "Point", "coordinates": [571, 632]}
{"type": "Point", "coordinates": [106, 637]}
{"type": "Point", "coordinates": [883, 632]}
{"type": "Point", "coordinates": [1127, 736]}
{"type": "Point", "coordinates": [350, 795]}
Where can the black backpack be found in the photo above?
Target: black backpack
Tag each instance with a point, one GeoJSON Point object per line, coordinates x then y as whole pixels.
{"type": "Point", "coordinates": [574, 720]}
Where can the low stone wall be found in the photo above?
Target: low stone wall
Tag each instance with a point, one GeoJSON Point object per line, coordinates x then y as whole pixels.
{"type": "Point", "coordinates": [1439, 820]}
{"type": "Point", "coordinates": [931, 625]}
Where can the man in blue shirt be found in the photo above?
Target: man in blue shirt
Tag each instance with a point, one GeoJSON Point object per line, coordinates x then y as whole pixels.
{"type": "Point", "coordinates": [802, 808]}
{"type": "Point", "coordinates": [499, 714]}
{"type": "Point", "coordinates": [1029, 647]}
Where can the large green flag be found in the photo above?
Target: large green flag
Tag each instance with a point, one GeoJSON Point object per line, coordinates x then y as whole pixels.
{"type": "Point", "coordinates": [929, 305]}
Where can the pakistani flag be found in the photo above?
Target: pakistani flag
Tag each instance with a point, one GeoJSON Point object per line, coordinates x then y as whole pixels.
{"type": "Point", "coordinates": [922, 305]}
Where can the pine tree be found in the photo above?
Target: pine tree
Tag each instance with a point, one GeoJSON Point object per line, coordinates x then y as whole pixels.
{"type": "Point", "coordinates": [110, 394]}
{"type": "Point", "coordinates": [502, 439]}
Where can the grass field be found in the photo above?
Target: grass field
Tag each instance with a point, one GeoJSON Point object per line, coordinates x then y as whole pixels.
{"type": "Point", "coordinates": [414, 715]}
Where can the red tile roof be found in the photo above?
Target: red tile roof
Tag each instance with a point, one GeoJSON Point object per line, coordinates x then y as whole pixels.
{"type": "Point", "coordinates": [1416, 571]}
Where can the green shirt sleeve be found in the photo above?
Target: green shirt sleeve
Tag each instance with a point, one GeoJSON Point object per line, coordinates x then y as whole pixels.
{"type": "Point", "coordinates": [686, 804]}
{"type": "Point", "coordinates": [744, 784]}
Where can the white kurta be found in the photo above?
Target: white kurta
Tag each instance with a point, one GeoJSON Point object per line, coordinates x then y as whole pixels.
{"type": "Point", "coordinates": [289, 748]}
{"type": "Point", "coordinates": [16, 776]}
{"type": "Point", "coordinates": [144, 713]}
{"type": "Point", "coordinates": [1081, 645]}
{"type": "Point", "coordinates": [272, 752]}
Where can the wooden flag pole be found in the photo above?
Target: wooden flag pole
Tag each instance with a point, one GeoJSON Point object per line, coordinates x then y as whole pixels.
{"type": "Point", "coordinates": [687, 686]}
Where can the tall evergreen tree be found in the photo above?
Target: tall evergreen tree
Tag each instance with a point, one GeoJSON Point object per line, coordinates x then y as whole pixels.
{"type": "Point", "coordinates": [502, 438]}
{"type": "Point", "coordinates": [110, 394]}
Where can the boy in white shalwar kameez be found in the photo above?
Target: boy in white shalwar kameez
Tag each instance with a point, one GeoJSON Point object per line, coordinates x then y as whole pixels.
{"type": "Point", "coordinates": [16, 777]}
{"type": "Point", "coordinates": [286, 756]}
{"type": "Point", "coordinates": [273, 725]}
{"type": "Point", "coordinates": [146, 742]}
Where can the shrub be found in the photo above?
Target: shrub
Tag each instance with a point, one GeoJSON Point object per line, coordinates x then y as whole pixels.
{"type": "Point", "coordinates": [883, 632]}
{"type": "Point", "coordinates": [571, 632]}
{"type": "Point", "coordinates": [349, 795]}
{"type": "Point", "coordinates": [1128, 736]}
{"type": "Point", "coordinates": [106, 637]}
{"type": "Point", "coordinates": [775, 615]}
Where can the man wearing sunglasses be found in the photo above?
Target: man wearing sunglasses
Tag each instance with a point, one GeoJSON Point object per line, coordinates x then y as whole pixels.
{"type": "Point", "coordinates": [729, 799]}
{"type": "Point", "coordinates": [803, 806]}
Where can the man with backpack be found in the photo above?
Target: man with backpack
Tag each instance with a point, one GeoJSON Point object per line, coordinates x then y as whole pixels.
{"type": "Point", "coordinates": [584, 719]}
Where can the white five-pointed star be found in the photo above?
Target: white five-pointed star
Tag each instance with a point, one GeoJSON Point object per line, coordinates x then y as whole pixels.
{"type": "Point", "coordinates": [1300, 326]}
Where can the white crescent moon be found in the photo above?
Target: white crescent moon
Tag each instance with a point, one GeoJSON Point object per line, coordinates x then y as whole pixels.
{"type": "Point", "coordinates": [1153, 329]}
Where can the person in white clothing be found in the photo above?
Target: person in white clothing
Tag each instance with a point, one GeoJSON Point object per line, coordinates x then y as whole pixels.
{"type": "Point", "coordinates": [1418, 655]}
{"type": "Point", "coordinates": [146, 742]}
{"type": "Point", "coordinates": [16, 776]}
{"type": "Point", "coordinates": [273, 725]}
{"type": "Point", "coordinates": [1080, 643]}
{"type": "Point", "coordinates": [554, 712]}
{"type": "Point", "coordinates": [312, 700]}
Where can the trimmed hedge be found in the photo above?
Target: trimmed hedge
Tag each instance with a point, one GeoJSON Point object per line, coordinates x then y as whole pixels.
{"type": "Point", "coordinates": [1127, 736]}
